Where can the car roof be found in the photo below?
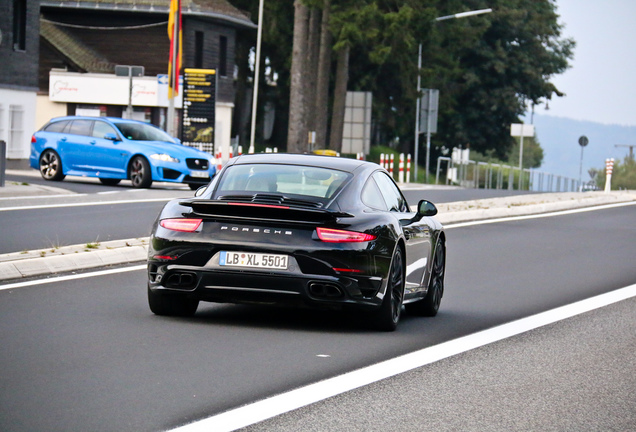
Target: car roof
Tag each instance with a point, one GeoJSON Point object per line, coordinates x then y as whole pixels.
{"type": "Point", "coordinates": [110, 119]}
{"type": "Point", "coordinates": [320, 161]}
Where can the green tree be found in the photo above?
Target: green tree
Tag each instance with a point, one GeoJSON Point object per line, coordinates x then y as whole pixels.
{"type": "Point", "coordinates": [532, 153]}
{"type": "Point", "coordinates": [487, 67]}
{"type": "Point", "coordinates": [494, 70]}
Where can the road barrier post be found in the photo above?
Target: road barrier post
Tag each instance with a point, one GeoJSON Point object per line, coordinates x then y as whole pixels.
{"type": "Point", "coordinates": [3, 161]}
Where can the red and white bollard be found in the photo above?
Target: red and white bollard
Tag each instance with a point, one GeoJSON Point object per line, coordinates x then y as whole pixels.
{"type": "Point", "coordinates": [391, 165]}
{"type": "Point", "coordinates": [382, 160]}
{"type": "Point", "coordinates": [609, 168]}
{"type": "Point", "coordinates": [401, 169]}
{"type": "Point", "coordinates": [408, 168]}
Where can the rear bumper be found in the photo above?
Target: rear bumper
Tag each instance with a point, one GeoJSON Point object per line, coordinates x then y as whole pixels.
{"type": "Point", "coordinates": [240, 286]}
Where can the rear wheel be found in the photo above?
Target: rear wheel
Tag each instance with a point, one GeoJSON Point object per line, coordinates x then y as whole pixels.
{"type": "Point", "coordinates": [139, 172]}
{"type": "Point", "coordinates": [109, 181]}
{"type": "Point", "coordinates": [51, 166]}
{"type": "Point", "coordinates": [429, 305]}
{"type": "Point", "coordinates": [171, 305]}
{"type": "Point", "coordinates": [388, 316]}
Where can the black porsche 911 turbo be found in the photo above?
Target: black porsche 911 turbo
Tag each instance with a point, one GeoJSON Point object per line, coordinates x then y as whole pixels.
{"type": "Point", "coordinates": [299, 230]}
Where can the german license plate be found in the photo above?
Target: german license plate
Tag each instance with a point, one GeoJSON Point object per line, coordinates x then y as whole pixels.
{"type": "Point", "coordinates": [199, 174]}
{"type": "Point", "coordinates": [253, 260]}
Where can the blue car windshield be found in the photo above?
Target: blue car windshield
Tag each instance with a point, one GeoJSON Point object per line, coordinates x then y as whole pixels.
{"type": "Point", "coordinates": [285, 179]}
{"type": "Point", "coordinates": [143, 132]}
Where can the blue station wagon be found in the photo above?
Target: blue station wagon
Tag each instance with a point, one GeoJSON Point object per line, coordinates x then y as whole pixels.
{"type": "Point", "coordinates": [114, 149]}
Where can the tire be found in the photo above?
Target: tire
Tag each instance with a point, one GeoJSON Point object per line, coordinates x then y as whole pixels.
{"type": "Point", "coordinates": [171, 305]}
{"type": "Point", "coordinates": [388, 316]}
{"type": "Point", "coordinates": [429, 305]}
{"type": "Point", "coordinates": [109, 181]}
{"type": "Point", "coordinates": [195, 186]}
{"type": "Point", "coordinates": [139, 172]}
{"type": "Point", "coordinates": [51, 166]}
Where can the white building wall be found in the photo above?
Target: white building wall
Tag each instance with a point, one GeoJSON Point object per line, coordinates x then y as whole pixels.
{"type": "Point", "coordinates": [17, 121]}
{"type": "Point", "coordinates": [223, 129]}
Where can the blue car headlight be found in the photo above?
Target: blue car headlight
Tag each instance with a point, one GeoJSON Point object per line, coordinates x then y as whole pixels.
{"type": "Point", "coordinates": [164, 157]}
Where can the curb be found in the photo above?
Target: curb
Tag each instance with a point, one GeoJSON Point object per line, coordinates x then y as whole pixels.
{"type": "Point", "coordinates": [19, 265]}
{"type": "Point", "coordinates": [525, 205]}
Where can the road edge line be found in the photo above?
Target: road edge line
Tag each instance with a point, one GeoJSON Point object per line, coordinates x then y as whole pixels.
{"type": "Point", "coordinates": [280, 404]}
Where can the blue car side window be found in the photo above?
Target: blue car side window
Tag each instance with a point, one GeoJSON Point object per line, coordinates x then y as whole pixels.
{"type": "Point", "coordinates": [81, 127]}
{"type": "Point", "coordinates": [101, 129]}
{"type": "Point", "coordinates": [57, 126]}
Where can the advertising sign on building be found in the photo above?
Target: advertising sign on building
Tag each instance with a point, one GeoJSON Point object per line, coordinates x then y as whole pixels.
{"type": "Point", "coordinates": [199, 100]}
{"type": "Point", "coordinates": [106, 89]}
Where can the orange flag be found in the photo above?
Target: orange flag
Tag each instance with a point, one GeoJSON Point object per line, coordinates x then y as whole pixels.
{"type": "Point", "coordinates": [176, 45]}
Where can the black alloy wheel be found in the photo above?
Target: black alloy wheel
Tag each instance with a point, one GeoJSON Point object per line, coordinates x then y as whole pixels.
{"type": "Point", "coordinates": [388, 316]}
{"type": "Point", "coordinates": [139, 172]}
{"type": "Point", "coordinates": [171, 305]}
{"type": "Point", "coordinates": [429, 305]}
{"type": "Point", "coordinates": [51, 166]}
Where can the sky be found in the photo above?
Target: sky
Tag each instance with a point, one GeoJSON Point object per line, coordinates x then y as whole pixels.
{"type": "Point", "coordinates": [601, 84]}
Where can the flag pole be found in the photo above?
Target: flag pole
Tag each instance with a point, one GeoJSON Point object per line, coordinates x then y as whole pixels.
{"type": "Point", "coordinates": [174, 75]}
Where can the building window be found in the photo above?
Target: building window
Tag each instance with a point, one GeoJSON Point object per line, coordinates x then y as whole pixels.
{"type": "Point", "coordinates": [223, 56]}
{"type": "Point", "coordinates": [19, 24]}
{"type": "Point", "coordinates": [16, 130]}
{"type": "Point", "coordinates": [198, 49]}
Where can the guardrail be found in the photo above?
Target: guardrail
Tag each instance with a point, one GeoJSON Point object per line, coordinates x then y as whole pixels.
{"type": "Point", "coordinates": [484, 175]}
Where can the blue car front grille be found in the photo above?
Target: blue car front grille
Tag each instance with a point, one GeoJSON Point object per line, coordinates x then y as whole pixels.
{"type": "Point", "coordinates": [197, 164]}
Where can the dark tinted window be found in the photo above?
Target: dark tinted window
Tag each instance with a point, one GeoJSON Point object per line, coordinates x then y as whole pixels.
{"type": "Point", "coordinates": [81, 127]}
{"type": "Point", "coordinates": [56, 126]}
{"type": "Point", "coordinates": [390, 192]}
{"type": "Point", "coordinates": [372, 196]}
{"type": "Point", "coordinates": [143, 132]}
{"type": "Point", "coordinates": [101, 129]}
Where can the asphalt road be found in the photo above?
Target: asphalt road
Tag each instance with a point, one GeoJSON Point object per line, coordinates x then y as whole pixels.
{"type": "Point", "coordinates": [128, 213]}
{"type": "Point", "coordinates": [87, 354]}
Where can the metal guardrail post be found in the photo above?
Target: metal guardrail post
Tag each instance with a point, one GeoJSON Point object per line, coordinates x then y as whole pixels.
{"type": "Point", "coordinates": [3, 161]}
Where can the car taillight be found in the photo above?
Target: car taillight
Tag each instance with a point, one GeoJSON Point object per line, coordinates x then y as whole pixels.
{"type": "Point", "coordinates": [341, 236]}
{"type": "Point", "coordinates": [185, 225]}
{"type": "Point", "coordinates": [33, 139]}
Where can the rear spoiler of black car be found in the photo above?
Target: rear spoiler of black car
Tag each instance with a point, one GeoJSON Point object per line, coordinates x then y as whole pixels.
{"type": "Point", "coordinates": [210, 209]}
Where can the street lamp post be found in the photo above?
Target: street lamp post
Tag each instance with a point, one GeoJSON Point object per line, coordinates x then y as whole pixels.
{"type": "Point", "coordinates": [257, 65]}
{"type": "Point", "coordinates": [417, 107]}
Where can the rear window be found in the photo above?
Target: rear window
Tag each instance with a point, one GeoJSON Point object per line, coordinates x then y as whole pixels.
{"type": "Point", "coordinates": [283, 179]}
{"type": "Point", "coordinates": [57, 126]}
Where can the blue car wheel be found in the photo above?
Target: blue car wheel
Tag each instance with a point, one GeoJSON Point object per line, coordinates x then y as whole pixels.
{"type": "Point", "coordinates": [51, 166]}
{"type": "Point", "coordinates": [139, 172]}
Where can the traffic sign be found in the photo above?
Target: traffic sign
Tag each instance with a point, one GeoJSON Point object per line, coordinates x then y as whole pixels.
{"type": "Point", "coordinates": [583, 141]}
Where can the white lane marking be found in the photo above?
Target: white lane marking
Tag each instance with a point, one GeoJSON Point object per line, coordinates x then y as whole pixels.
{"type": "Point", "coordinates": [282, 403]}
{"type": "Point", "coordinates": [42, 196]}
{"type": "Point", "coordinates": [538, 215]}
{"type": "Point", "coordinates": [72, 277]}
{"type": "Point", "coordinates": [85, 204]}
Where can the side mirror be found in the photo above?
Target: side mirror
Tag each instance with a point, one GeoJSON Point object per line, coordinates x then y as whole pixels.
{"type": "Point", "coordinates": [426, 209]}
{"type": "Point", "coordinates": [111, 137]}
{"type": "Point", "coordinates": [199, 192]}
